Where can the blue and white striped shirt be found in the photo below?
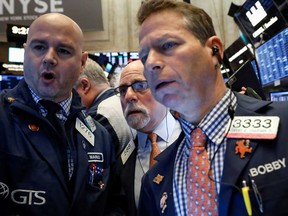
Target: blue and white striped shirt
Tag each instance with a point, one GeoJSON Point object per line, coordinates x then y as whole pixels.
{"type": "Point", "coordinates": [214, 125]}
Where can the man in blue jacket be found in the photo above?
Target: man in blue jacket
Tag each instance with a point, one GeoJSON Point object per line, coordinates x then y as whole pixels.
{"type": "Point", "coordinates": [60, 167]}
{"type": "Point", "coordinates": [233, 158]}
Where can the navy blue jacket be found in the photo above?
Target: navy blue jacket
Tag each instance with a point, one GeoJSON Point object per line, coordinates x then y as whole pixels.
{"type": "Point", "coordinates": [31, 178]}
{"type": "Point", "coordinates": [266, 165]}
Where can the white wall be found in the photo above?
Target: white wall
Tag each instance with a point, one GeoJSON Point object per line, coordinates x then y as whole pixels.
{"type": "Point", "coordinates": [120, 27]}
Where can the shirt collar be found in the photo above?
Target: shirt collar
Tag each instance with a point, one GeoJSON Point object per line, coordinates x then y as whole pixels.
{"type": "Point", "coordinates": [215, 122]}
{"type": "Point", "coordinates": [66, 104]}
{"type": "Point", "coordinates": [164, 130]}
{"type": "Point", "coordinates": [101, 93]}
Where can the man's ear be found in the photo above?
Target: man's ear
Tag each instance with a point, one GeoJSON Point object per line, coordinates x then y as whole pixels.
{"type": "Point", "coordinates": [213, 42]}
{"type": "Point", "coordinates": [83, 60]}
{"type": "Point", "coordinates": [85, 85]}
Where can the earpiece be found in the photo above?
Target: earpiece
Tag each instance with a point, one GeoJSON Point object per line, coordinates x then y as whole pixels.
{"type": "Point", "coordinates": [215, 50]}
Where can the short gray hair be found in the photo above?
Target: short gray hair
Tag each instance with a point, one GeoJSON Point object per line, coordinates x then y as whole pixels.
{"type": "Point", "coordinates": [94, 72]}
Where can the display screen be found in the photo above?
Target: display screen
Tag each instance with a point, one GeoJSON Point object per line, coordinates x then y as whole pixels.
{"type": "Point", "coordinates": [9, 81]}
{"type": "Point", "coordinates": [108, 67]}
{"type": "Point", "coordinates": [246, 76]}
{"type": "Point", "coordinates": [279, 96]}
{"type": "Point", "coordinates": [16, 54]}
{"type": "Point", "coordinates": [272, 58]}
{"type": "Point", "coordinates": [259, 20]}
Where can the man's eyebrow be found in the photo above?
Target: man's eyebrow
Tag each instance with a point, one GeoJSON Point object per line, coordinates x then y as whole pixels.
{"type": "Point", "coordinates": [131, 82]}
{"type": "Point", "coordinates": [37, 41]}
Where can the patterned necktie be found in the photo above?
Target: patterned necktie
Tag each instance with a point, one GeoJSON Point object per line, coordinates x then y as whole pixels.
{"type": "Point", "coordinates": [202, 197]}
{"type": "Point", "coordinates": [154, 148]}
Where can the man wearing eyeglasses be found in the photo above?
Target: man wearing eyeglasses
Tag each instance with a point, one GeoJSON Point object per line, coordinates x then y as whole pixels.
{"type": "Point", "coordinates": [146, 115]}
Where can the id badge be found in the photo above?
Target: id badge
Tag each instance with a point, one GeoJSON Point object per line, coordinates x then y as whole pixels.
{"type": "Point", "coordinates": [254, 127]}
{"type": "Point", "coordinates": [85, 131]}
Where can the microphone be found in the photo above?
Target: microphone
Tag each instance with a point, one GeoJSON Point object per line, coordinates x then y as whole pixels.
{"type": "Point", "coordinates": [215, 52]}
{"type": "Point", "coordinates": [231, 112]}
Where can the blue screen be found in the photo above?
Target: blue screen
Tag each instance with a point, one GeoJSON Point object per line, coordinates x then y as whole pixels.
{"type": "Point", "coordinates": [272, 58]}
{"type": "Point", "coordinates": [9, 81]}
{"type": "Point", "coordinates": [279, 96]}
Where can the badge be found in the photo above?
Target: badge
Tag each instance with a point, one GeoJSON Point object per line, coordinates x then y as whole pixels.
{"type": "Point", "coordinates": [11, 99]}
{"type": "Point", "coordinates": [95, 157]}
{"type": "Point", "coordinates": [127, 151]}
{"type": "Point", "coordinates": [95, 175]}
{"type": "Point", "coordinates": [90, 123]}
{"type": "Point", "coordinates": [33, 127]}
{"type": "Point", "coordinates": [163, 204]}
{"type": "Point", "coordinates": [254, 127]}
{"type": "Point", "coordinates": [158, 179]}
{"type": "Point", "coordinates": [242, 147]}
{"type": "Point", "coordinates": [86, 133]}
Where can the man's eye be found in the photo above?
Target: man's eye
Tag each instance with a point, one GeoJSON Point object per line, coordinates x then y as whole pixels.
{"type": "Point", "coordinates": [139, 86]}
{"type": "Point", "coordinates": [64, 51]}
{"type": "Point", "coordinates": [38, 47]}
{"type": "Point", "coordinates": [168, 45]}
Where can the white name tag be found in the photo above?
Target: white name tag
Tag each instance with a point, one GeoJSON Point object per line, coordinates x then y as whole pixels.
{"type": "Point", "coordinates": [81, 127]}
{"type": "Point", "coordinates": [127, 151]}
{"type": "Point", "coordinates": [254, 127]}
{"type": "Point", "coordinates": [95, 157]}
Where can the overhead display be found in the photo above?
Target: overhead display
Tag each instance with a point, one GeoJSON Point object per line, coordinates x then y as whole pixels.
{"type": "Point", "coordinates": [87, 13]}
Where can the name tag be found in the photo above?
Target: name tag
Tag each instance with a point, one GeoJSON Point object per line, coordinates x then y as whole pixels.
{"type": "Point", "coordinates": [85, 132]}
{"type": "Point", "coordinates": [95, 157]}
{"type": "Point", "coordinates": [127, 151]}
{"type": "Point", "coordinates": [254, 127]}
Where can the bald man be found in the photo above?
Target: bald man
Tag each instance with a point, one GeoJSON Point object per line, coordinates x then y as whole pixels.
{"type": "Point", "coordinates": [146, 115]}
{"type": "Point", "coordinates": [50, 162]}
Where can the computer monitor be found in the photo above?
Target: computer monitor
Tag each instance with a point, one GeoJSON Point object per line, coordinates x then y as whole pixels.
{"type": "Point", "coordinates": [238, 53]}
{"type": "Point", "coordinates": [272, 58]}
{"type": "Point", "coordinates": [259, 20]}
{"type": "Point", "coordinates": [8, 81]}
{"type": "Point", "coordinates": [246, 76]}
{"type": "Point", "coordinates": [16, 54]}
{"type": "Point", "coordinates": [279, 96]}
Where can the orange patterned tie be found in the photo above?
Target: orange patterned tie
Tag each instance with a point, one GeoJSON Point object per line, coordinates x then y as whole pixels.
{"type": "Point", "coordinates": [154, 148]}
{"type": "Point", "coordinates": [202, 198]}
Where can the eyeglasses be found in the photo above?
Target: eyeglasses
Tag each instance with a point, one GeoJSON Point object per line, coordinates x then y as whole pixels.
{"type": "Point", "coordinates": [137, 86]}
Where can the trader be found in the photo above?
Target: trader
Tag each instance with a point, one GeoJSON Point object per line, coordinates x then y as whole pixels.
{"type": "Point", "coordinates": [52, 160]}
{"type": "Point", "coordinates": [233, 160]}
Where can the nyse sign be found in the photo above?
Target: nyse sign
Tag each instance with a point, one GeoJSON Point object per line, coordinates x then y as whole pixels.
{"type": "Point", "coordinates": [39, 6]}
{"type": "Point", "coordinates": [23, 12]}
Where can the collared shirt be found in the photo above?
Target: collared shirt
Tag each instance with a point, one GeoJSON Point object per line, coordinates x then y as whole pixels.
{"type": "Point", "coordinates": [61, 114]}
{"type": "Point", "coordinates": [167, 131]}
{"type": "Point", "coordinates": [214, 125]}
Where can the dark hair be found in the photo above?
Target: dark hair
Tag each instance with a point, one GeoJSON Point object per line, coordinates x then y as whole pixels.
{"type": "Point", "coordinates": [196, 19]}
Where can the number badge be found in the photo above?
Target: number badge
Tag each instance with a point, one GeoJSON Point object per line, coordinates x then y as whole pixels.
{"type": "Point", "coordinates": [254, 127]}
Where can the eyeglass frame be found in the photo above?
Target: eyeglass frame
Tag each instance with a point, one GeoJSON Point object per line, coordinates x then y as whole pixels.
{"type": "Point", "coordinates": [133, 86]}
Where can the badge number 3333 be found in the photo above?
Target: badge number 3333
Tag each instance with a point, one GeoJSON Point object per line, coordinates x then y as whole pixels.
{"type": "Point", "coordinates": [254, 127]}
